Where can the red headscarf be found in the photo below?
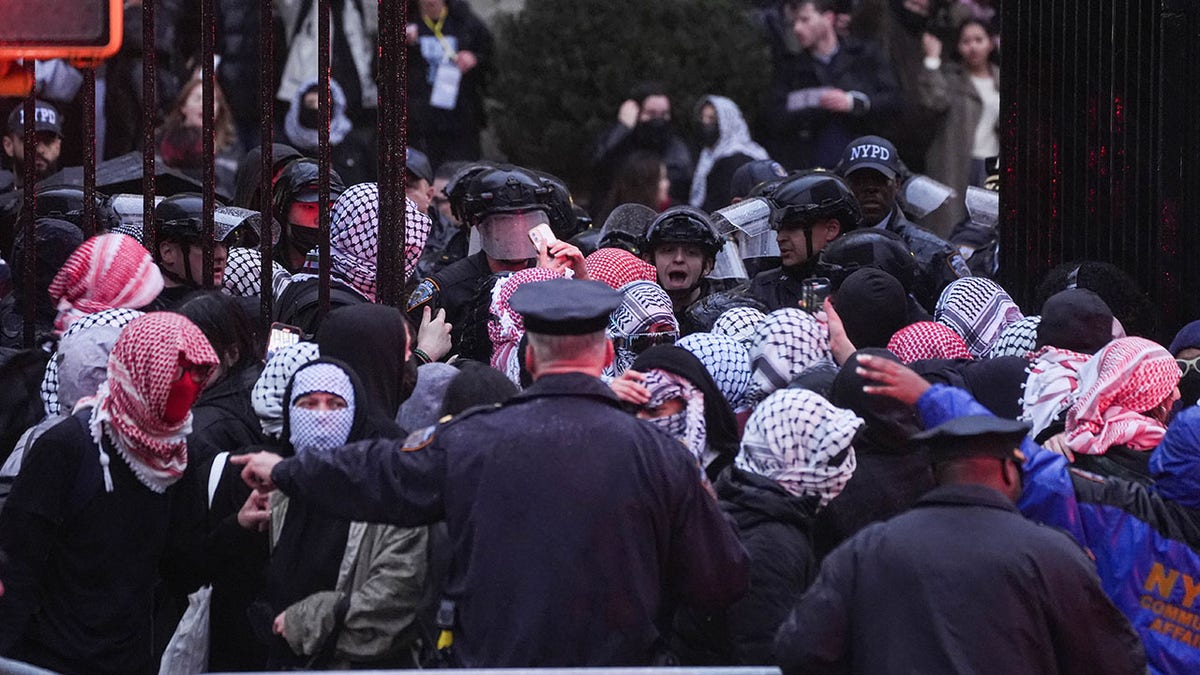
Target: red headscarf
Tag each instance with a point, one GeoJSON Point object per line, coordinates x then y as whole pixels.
{"type": "Point", "coordinates": [1126, 378]}
{"type": "Point", "coordinates": [107, 271]}
{"type": "Point", "coordinates": [927, 340]}
{"type": "Point", "coordinates": [617, 267]}
{"type": "Point", "coordinates": [147, 361]}
{"type": "Point", "coordinates": [506, 327]}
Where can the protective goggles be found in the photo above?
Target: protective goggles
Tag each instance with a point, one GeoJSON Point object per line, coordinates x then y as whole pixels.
{"type": "Point", "coordinates": [1189, 365]}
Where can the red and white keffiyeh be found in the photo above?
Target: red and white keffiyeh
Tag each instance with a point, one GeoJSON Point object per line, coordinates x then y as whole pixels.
{"type": "Point", "coordinates": [927, 340]}
{"type": "Point", "coordinates": [506, 327]}
{"type": "Point", "coordinates": [148, 357]}
{"type": "Point", "coordinates": [1051, 386]}
{"type": "Point", "coordinates": [617, 267]}
{"type": "Point", "coordinates": [1125, 379]}
{"type": "Point", "coordinates": [107, 271]}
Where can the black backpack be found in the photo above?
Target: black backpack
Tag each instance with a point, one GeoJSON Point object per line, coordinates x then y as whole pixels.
{"type": "Point", "coordinates": [299, 305]}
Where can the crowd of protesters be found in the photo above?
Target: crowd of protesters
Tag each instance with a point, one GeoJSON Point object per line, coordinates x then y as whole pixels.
{"type": "Point", "coordinates": [761, 412]}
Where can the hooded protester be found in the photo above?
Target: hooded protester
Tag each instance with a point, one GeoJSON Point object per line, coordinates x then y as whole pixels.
{"type": "Point", "coordinates": [927, 340]}
{"type": "Point", "coordinates": [506, 328]}
{"type": "Point", "coordinates": [342, 593]}
{"type": "Point", "coordinates": [87, 521]}
{"type": "Point", "coordinates": [1120, 409]}
{"type": "Point", "coordinates": [725, 145]}
{"type": "Point", "coordinates": [113, 318]}
{"type": "Point", "coordinates": [267, 394]}
{"type": "Point", "coordinates": [872, 305]}
{"type": "Point", "coordinates": [643, 319]}
{"type": "Point", "coordinates": [978, 309]}
{"type": "Point", "coordinates": [795, 457]}
{"type": "Point", "coordinates": [296, 207]}
{"type": "Point", "coordinates": [354, 237]}
{"type": "Point", "coordinates": [617, 267]}
{"type": "Point", "coordinates": [301, 124]}
{"type": "Point", "coordinates": [1017, 339]}
{"type": "Point", "coordinates": [243, 274]}
{"type": "Point", "coordinates": [105, 272]}
{"type": "Point", "coordinates": [55, 240]}
{"type": "Point", "coordinates": [1138, 536]}
{"type": "Point", "coordinates": [1186, 350]}
{"type": "Point", "coordinates": [785, 343]}
{"type": "Point", "coordinates": [727, 361]}
{"type": "Point", "coordinates": [1077, 320]}
{"type": "Point", "coordinates": [686, 403]}
{"type": "Point", "coordinates": [739, 323]}
{"type": "Point", "coordinates": [372, 340]}
{"type": "Point", "coordinates": [892, 472]}
{"type": "Point", "coordinates": [249, 174]}
{"type": "Point", "coordinates": [423, 408]}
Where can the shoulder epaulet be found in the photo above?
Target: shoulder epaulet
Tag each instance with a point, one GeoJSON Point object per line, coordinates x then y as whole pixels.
{"type": "Point", "coordinates": [419, 439]}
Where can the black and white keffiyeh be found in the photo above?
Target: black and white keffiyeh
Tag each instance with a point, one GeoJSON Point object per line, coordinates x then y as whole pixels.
{"type": "Point", "coordinates": [243, 274]}
{"type": "Point", "coordinates": [726, 359]}
{"type": "Point", "coordinates": [267, 394]}
{"type": "Point", "coordinates": [115, 318]}
{"type": "Point", "coordinates": [801, 441]}
{"type": "Point", "coordinates": [687, 425]}
{"type": "Point", "coordinates": [1017, 339]}
{"type": "Point", "coordinates": [354, 237]}
{"type": "Point", "coordinates": [320, 430]}
{"type": "Point", "coordinates": [785, 343]}
{"type": "Point", "coordinates": [978, 309]}
{"type": "Point", "coordinates": [645, 306]}
{"type": "Point", "coordinates": [739, 323]}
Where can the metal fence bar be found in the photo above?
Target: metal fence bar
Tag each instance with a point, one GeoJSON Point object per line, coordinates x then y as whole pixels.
{"type": "Point", "coordinates": [393, 141]}
{"type": "Point", "coordinates": [149, 119]}
{"type": "Point", "coordinates": [28, 181]}
{"type": "Point", "coordinates": [324, 154]}
{"type": "Point", "coordinates": [89, 152]}
{"type": "Point", "coordinates": [208, 39]}
{"type": "Point", "coordinates": [266, 102]}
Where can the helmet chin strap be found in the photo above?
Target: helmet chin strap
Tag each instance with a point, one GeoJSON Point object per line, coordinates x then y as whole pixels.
{"type": "Point", "coordinates": [808, 242]}
{"type": "Point", "coordinates": [187, 279]}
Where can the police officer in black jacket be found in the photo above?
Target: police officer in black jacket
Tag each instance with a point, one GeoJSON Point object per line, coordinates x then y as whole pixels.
{"type": "Point", "coordinates": [575, 527]}
{"type": "Point", "coordinates": [872, 168]}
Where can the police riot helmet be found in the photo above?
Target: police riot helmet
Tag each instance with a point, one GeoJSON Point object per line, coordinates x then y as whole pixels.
{"type": "Point", "coordinates": [300, 181]}
{"type": "Point", "coordinates": [561, 207]}
{"type": "Point", "coordinates": [505, 189]}
{"type": "Point", "coordinates": [65, 202]}
{"type": "Point", "coordinates": [803, 199]}
{"type": "Point", "coordinates": [456, 188]}
{"type": "Point", "coordinates": [180, 219]}
{"type": "Point", "coordinates": [868, 247]}
{"type": "Point", "coordinates": [683, 225]}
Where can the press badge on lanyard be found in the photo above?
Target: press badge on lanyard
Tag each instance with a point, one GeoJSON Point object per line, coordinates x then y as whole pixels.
{"type": "Point", "coordinates": [446, 78]}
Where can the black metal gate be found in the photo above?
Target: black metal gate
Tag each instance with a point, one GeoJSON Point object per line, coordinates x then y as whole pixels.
{"type": "Point", "coordinates": [1100, 130]}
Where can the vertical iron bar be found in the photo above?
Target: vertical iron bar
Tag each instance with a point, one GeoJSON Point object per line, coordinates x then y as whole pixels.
{"type": "Point", "coordinates": [393, 156]}
{"type": "Point", "coordinates": [266, 102]}
{"type": "Point", "coordinates": [29, 185]}
{"type": "Point", "coordinates": [208, 39]}
{"type": "Point", "coordinates": [89, 151]}
{"type": "Point", "coordinates": [149, 118]}
{"type": "Point", "coordinates": [324, 156]}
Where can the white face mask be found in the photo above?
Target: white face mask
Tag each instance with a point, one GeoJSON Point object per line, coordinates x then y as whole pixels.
{"type": "Point", "coordinates": [320, 430]}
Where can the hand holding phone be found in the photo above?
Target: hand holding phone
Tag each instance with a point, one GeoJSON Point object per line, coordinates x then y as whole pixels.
{"type": "Point", "coordinates": [542, 237]}
{"type": "Point", "coordinates": [282, 335]}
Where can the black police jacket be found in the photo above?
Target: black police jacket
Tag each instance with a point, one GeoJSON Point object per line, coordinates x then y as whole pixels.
{"type": "Point", "coordinates": [938, 262]}
{"type": "Point", "coordinates": [781, 287]}
{"type": "Point", "coordinates": [574, 525]}
{"type": "Point", "coordinates": [452, 288]}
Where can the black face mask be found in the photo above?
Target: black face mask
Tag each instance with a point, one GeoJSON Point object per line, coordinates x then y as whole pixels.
{"type": "Point", "coordinates": [304, 239]}
{"type": "Point", "coordinates": [709, 134]}
{"type": "Point", "coordinates": [309, 118]}
{"type": "Point", "coordinates": [1189, 390]}
{"type": "Point", "coordinates": [654, 134]}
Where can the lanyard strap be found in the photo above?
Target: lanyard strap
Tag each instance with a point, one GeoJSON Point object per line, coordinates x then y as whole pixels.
{"type": "Point", "coordinates": [436, 27]}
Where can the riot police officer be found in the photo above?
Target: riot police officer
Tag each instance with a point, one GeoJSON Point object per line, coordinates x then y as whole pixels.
{"type": "Point", "coordinates": [682, 245]}
{"type": "Point", "coordinates": [179, 245]}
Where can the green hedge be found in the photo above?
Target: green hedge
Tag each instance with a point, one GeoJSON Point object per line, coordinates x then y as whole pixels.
{"type": "Point", "coordinates": [563, 67]}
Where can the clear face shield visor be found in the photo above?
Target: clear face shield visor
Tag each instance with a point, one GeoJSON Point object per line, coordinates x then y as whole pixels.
{"type": "Point", "coordinates": [505, 236]}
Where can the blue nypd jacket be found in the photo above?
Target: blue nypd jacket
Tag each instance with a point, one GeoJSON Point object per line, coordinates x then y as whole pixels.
{"type": "Point", "coordinates": [1146, 541]}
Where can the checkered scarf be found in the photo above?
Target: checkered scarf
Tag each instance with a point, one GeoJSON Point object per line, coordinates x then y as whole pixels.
{"type": "Point", "coordinates": [107, 271]}
{"type": "Point", "coordinates": [978, 309]}
{"type": "Point", "coordinates": [354, 237]}
{"type": "Point", "coordinates": [644, 306]}
{"type": "Point", "coordinates": [1017, 339]}
{"type": "Point", "coordinates": [116, 318]}
{"type": "Point", "coordinates": [320, 430]}
{"type": "Point", "coordinates": [267, 394]}
{"type": "Point", "coordinates": [801, 441]}
{"type": "Point", "coordinates": [739, 323]}
{"type": "Point", "coordinates": [785, 343]}
{"type": "Point", "coordinates": [1050, 387]}
{"type": "Point", "coordinates": [243, 274]}
{"type": "Point", "coordinates": [506, 327]}
{"type": "Point", "coordinates": [726, 359]}
{"type": "Point", "coordinates": [145, 361]}
{"type": "Point", "coordinates": [617, 267]}
{"type": "Point", "coordinates": [687, 425]}
{"type": "Point", "coordinates": [927, 340]}
{"type": "Point", "coordinates": [1126, 378]}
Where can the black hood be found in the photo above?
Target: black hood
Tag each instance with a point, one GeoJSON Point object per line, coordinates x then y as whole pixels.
{"type": "Point", "coordinates": [370, 339]}
{"type": "Point", "coordinates": [889, 423]}
{"type": "Point", "coordinates": [249, 173]}
{"type": "Point", "coordinates": [751, 499]}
